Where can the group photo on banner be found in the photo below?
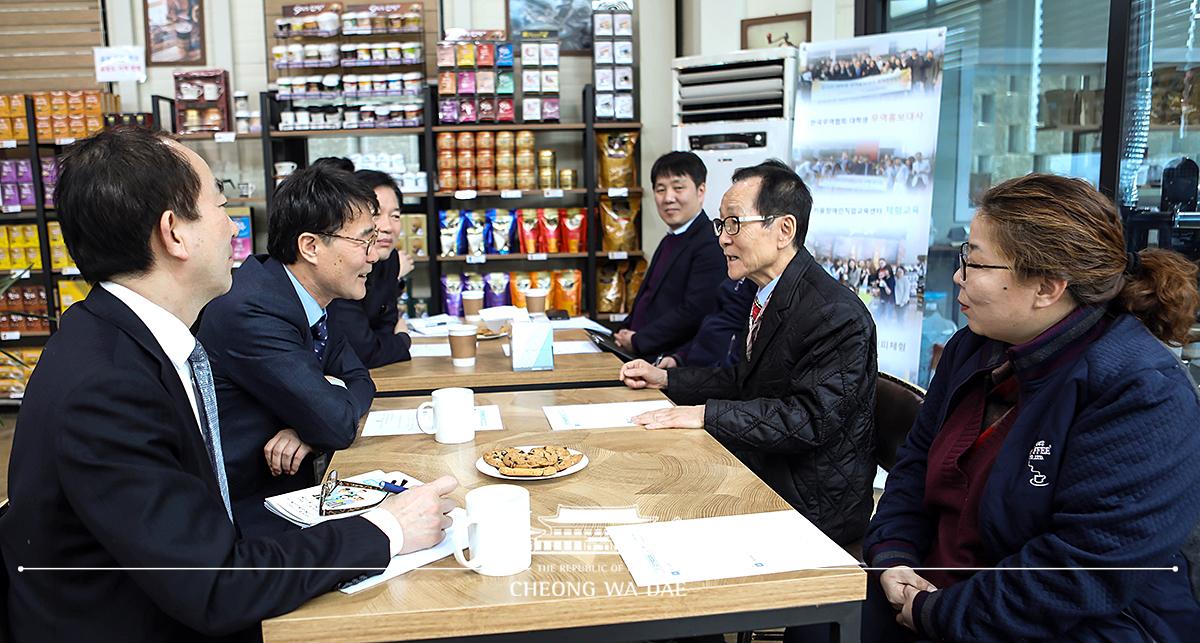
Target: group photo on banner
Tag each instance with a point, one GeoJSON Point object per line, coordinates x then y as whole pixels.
{"type": "Point", "coordinates": [864, 140]}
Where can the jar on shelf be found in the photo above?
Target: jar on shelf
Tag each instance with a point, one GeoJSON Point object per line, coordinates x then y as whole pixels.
{"type": "Point", "coordinates": [466, 179]}
{"type": "Point", "coordinates": [485, 158]}
{"type": "Point", "coordinates": [568, 179]}
{"type": "Point", "coordinates": [504, 159]}
{"type": "Point", "coordinates": [505, 179]}
{"type": "Point", "coordinates": [395, 83]}
{"type": "Point", "coordinates": [545, 159]}
{"type": "Point", "coordinates": [525, 140]}
{"type": "Point", "coordinates": [546, 178]}
{"type": "Point", "coordinates": [486, 179]}
{"type": "Point", "coordinates": [413, 82]}
{"type": "Point", "coordinates": [526, 180]}
{"type": "Point", "coordinates": [395, 22]}
{"type": "Point", "coordinates": [524, 158]}
{"type": "Point", "coordinates": [379, 82]}
{"type": "Point", "coordinates": [364, 51]}
{"type": "Point", "coordinates": [255, 122]}
{"type": "Point", "coordinates": [445, 141]}
{"type": "Point", "coordinates": [466, 140]}
{"type": "Point", "coordinates": [447, 160]}
{"type": "Point", "coordinates": [394, 52]}
{"type": "Point", "coordinates": [378, 52]}
{"type": "Point", "coordinates": [447, 180]}
{"type": "Point", "coordinates": [504, 140]}
{"type": "Point", "coordinates": [485, 140]}
{"type": "Point", "coordinates": [349, 52]}
{"type": "Point", "coordinates": [466, 158]}
{"type": "Point", "coordinates": [414, 114]}
{"type": "Point", "coordinates": [241, 101]}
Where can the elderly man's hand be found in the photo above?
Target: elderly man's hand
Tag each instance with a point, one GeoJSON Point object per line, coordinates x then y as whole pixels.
{"type": "Point", "coordinates": [677, 417]}
{"type": "Point", "coordinates": [640, 374]}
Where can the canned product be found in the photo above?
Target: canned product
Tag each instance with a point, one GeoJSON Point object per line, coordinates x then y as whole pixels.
{"type": "Point", "coordinates": [466, 179]}
{"type": "Point", "coordinates": [567, 179]}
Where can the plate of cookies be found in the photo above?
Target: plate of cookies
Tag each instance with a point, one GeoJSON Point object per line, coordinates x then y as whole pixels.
{"type": "Point", "coordinates": [532, 462]}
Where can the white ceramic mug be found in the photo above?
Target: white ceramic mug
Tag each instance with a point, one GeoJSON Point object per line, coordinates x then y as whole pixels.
{"type": "Point", "coordinates": [497, 531]}
{"type": "Point", "coordinates": [284, 168]}
{"type": "Point", "coordinates": [212, 91]}
{"type": "Point", "coordinates": [453, 415]}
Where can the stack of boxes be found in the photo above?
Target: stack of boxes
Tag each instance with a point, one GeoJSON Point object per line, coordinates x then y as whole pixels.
{"type": "Point", "coordinates": [20, 248]}
{"type": "Point", "coordinates": [23, 310]}
{"type": "Point", "coordinates": [539, 79]}
{"type": "Point", "coordinates": [16, 364]}
{"type": "Point", "coordinates": [61, 114]}
{"type": "Point", "coordinates": [16, 183]}
{"type": "Point", "coordinates": [409, 231]}
{"type": "Point", "coordinates": [476, 82]}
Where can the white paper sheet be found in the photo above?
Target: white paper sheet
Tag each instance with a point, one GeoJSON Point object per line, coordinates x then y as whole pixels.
{"type": "Point", "coordinates": [579, 322]}
{"type": "Point", "coordinates": [599, 416]}
{"type": "Point", "coordinates": [404, 422]}
{"type": "Point", "coordinates": [301, 507]}
{"type": "Point", "coordinates": [408, 562]}
{"type": "Point", "coordinates": [567, 347]}
{"type": "Point", "coordinates": [686, 551]}
{"type": "Point", "coordinates": [436, 326]}
{"type": "Point", "coordinates": [429, 350]}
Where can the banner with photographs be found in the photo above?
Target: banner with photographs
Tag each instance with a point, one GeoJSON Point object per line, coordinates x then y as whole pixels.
{"type": "Point", "coordinates": [864, 139]}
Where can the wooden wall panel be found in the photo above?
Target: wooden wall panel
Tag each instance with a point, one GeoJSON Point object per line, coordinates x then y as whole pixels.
{"type": "Point", "coordinates": [48, 45]}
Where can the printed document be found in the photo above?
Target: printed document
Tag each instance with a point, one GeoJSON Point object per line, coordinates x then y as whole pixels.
{"type": "Point", "coordinates": [599, 416]}
{"type": "Point", "coordinates": [404, 422]}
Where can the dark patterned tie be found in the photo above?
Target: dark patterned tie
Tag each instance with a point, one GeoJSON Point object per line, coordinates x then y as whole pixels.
{"type": "Point", "coordinates": [752, 332]}
{"type": "Point", "coordinates": [320, 333]}
{"type": "Point", "coordinates": [210, 423]}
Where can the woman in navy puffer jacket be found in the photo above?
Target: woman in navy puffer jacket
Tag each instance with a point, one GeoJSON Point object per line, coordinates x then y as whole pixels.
{"type": "Point", "coordinates": [1057, 454]}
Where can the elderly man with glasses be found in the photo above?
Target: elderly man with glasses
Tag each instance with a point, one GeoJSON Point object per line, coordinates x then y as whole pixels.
{"type": "Point", "coordinates": [798, 410]}
{"type": "Point", "coordinates": [289, 391]}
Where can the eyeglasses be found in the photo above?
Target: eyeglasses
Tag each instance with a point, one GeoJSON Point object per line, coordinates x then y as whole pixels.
{"type": "Point", "coordinates": [963, 264]}
{"type": "Point", "coordinates": [733, 225]}
{"type": "Point", "coordinates": [369, 242]}
{"type": "Point", "coordinates": [343, 496]}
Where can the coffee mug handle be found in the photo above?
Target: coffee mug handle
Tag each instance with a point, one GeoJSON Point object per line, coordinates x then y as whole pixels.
{"type": "Point", "coordinates": [433, 429]}
{"type": "Point", "coordinates": [460, 547]}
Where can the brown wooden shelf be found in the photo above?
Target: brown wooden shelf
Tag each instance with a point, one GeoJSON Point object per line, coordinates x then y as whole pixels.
{"type": "Point", "coordinates": [523, 256]}
{"type": "Point", "coordinates": [27, 333]}
{"type": "Point", "coordinates": [525, 194]}
{"type": "Point", "coordinates": [362, 131]}
{"type": "Point", "coordinates": [208, 136]}
{"type": "Point", "coordinates": [617, 125]}
{"type": "Point", "coordinates": [483, 127]}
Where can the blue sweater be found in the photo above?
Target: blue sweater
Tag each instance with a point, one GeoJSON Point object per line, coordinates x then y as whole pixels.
{"type": "Point", "coordinates": [1100, 469]}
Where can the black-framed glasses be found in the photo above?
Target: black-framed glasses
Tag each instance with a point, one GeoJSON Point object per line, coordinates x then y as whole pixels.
{"type": "Point", "coordinates": [963, 264]}
{"type": "Point", "coordinates": [733, 225]}
{"type": "Point", "coordinates": [369, 242]}
{"type": "Point", "coordinates": [344, 496]}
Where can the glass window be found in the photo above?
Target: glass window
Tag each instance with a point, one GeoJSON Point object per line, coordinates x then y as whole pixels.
{"type": "Point", "coordinates": [1022, 91]}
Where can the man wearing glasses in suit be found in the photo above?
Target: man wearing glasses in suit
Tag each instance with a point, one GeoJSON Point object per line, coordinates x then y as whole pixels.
{"type": "Point", "coordinates": [289, 390]}
{"type": "Point", "coordinates": [117, 478]}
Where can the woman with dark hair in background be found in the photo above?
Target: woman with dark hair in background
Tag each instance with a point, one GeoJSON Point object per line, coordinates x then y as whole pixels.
{"type": "Point", "coordinates": [1058, 432]}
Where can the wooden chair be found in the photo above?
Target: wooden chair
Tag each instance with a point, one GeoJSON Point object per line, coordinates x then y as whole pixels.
{"type": "Point", "coordinates": [897, 403]}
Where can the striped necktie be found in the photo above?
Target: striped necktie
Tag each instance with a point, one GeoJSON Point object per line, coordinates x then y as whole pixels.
{"type": "Point", "coordinates": [206, 394]}
{"type": "Point", "coordinates": [755, 313]}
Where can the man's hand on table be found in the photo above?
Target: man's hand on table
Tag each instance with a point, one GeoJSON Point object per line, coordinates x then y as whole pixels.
{"type": "Point", "coordinates": [421, 512]}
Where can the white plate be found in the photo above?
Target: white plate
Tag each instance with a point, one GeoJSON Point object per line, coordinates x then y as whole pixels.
{"type": "Point", "coordinates": [483, 338]}
{"type": "Point", "coordinates": [488, 470]}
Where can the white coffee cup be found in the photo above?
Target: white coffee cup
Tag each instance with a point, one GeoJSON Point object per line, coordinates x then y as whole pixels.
{"type": "Point", "coordinates": [284, 168]}
{"type": "Point", "coordinates": [497, 531]}
{"type": "Point", "coordinates": [453, 415]}
{"type": "Point", "coordinates": [212, 91]}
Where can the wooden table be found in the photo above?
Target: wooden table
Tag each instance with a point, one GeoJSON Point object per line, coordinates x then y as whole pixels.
{"type": "Point", "coordinates": [656, 474]}
{"type": "Point", "coordinates": [493, 370]}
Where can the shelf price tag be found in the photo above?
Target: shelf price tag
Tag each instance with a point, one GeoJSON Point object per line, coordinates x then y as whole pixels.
{"type": "Point", "coordinates": [552, 194]}
{"type": "Point", "coordinates": [618, 255]}
{"type": "Point", "coordinates": [8, 143]}
{"type": "Point", "coordinates": [70, 270]}
{"type": "Point", "coordinates": [63, 141]}
{"type": "Point", "coordinates": [465, 195]}
{"type": "Point", "coordinates": [617, 192]}
{"type": "Point", "coordinates": [537, 256]}
{"type": "Point", "coordinates": [225, 137]}
{"type": "Point", "coordinates": [476, 259]}
{"type": "Point", "coordinates": [617, 317]}
{"type": "Point", "coordinates": [9, 209]}
{"type": "Point", "coordinates": [21, 274]}
{"type": "Point", "coordinates": [10, 334]}
{"type": "Point", "coordinates": [510, 194]}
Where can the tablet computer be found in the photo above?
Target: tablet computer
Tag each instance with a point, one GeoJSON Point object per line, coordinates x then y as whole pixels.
{"type": "Point", "coordinates": [606, 342]}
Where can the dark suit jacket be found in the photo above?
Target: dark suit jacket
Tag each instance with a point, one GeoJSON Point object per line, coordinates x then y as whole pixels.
{"type": "Point", "coordinates": [369, 324]}
{"type": "Point", "coordinates": [800, 413]}
{"type": "Point", "coordinates": [268, 378]}
{"type": "Point", "coordinates": [721, 339]}
{"type": "Point", "coordinates": [109, 469]}
{"type": "Point", "coordinates": [686, 293]}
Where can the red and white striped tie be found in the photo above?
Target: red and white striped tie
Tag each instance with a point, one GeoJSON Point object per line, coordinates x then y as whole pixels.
{"type": "Point", "coordinates": [752, 332]}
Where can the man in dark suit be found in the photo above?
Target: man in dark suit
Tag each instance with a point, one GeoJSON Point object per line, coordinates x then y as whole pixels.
{"type": "Point", "coordinates": [290, 389]}
{"type": "Point", "coordinates": [372, 325]}
{"type": "Point", "coordinates": [681, 285]}
{"type": "Point", "coordinates": [116, 461]}
{"type": "Point", "coordinates": [721, 339]}
{"type": "Point", "coordinates": [798, 410]}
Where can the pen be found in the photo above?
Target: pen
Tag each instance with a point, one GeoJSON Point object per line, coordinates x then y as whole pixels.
{"type": "Point", "coordinates": [392, 487]}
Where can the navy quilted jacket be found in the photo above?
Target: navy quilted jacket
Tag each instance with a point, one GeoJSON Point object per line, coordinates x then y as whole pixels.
{"type": "Point", "coordinates": [1100, 469]}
